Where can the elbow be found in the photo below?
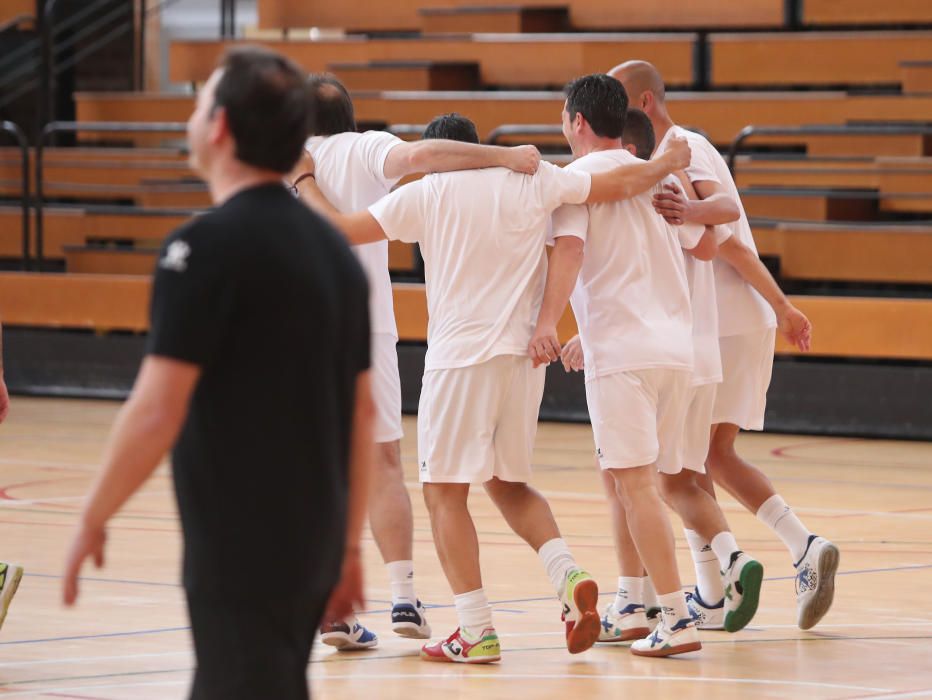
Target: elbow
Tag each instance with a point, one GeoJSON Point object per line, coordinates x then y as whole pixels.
{"type": "Point", "coordinates": [730, 212]}
{"type": "Point", "coordinates": [707, 248]}
{"type": "Point", "coordinates": [419, 156]}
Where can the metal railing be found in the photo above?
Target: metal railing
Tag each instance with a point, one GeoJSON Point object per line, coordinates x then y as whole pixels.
{"type": "Point", "coordinates": [93, 127]}
{"type": "Point", "coordinates": [823, 130]}
{"type": "Point", "coordinates": [20, 138]}
{"type": "Point", "coordinates": [498, 134]}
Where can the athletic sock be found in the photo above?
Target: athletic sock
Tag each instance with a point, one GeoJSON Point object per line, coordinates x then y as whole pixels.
{"type": "Point", "coordinates": [401, 580]}
{"type": "Point", "coordinates": [673, 608]}
{"type": "Point", "coordinates": [780, 518]}
{"type": "Point", "coordinates": [650, 595]}
{"type": "Point", "coordinates": [558, 562]}
{"type": "Point", "coordinates": [724, 545]}
{"type": "Point", "coordinates": [708, 574]}
{"type": "Point", "coordinates": [630, 592]}
{"type": "Point", "coordinates": [473, 612]}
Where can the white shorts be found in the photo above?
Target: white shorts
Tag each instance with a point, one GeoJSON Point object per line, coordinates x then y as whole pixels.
{"type": "Point", "coordinates": [480, 421]}
{"type": "Point", "coordinates": [638, 417]}
{"type": "Point", "coordinates": [747, 365]}
{"type": "Point", "coordinates": [386, 387]}
{"type": "Point", "coordinates": [698, 425]}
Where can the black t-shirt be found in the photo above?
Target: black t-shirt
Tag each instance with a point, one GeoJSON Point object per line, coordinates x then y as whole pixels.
{"type": "Point", "coordinates": [270, 302]}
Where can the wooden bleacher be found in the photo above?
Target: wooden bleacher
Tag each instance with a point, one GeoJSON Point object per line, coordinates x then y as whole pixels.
{"type": "Point", "coordinates": [11, 9]}
{"type": "Point", "coordinates": [505, 19]}
{"type": "Point", "coordinates": [916, 76]}
{"type": "Point", "coordinates": [404, 15]}
{"type": "Point", "coordinates": [866, 12]}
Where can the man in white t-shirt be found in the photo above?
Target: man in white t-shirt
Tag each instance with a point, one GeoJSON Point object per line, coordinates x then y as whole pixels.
{"type": "Point", "coordinates": [354, 171]}
{"type": "Point", "coordinates": [482, 236]}
{"type": "Point", "coordinates": [747, 326]}
{"type": "Point", "coordinates": [625, 618]}
{"type": "Point", "coordinates": [621, 265]}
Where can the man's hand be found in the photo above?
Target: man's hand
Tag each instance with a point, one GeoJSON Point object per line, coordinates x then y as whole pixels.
{"type": "Point", "coordinates": [304, 165]}
{"type": "Point", "coordinates": [88, 542]}
{"type": "Point", "coordinates": [4, 401]}
{"type": "Point", "coordinates": [348, 595]}
{"type": "Point", "coordinates": [673, 205]}
{"type": "Point", "coordinates": [795, 327]}
{"type": "Point", "coordinates": [678, 148]}
{"type": "Point", "coordinates": [572, 355]}
{"type": "Point", "coordinates": [522, 159]}
{"type": "Point", "coordinates": [544, 347]}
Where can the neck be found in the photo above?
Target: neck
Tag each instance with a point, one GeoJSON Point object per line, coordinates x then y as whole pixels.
{"type": "Point", "coordinates": [662, 123]}
{"type": "Point", "coordinates": [232, 177]}
{"type": "Point", "coordinates": [598, 144]}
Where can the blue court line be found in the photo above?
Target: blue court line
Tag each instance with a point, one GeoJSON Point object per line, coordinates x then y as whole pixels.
{"type": "Point", "coordinates": [128, 582]}
{"type": "Point", "coordinates": [96, 636]}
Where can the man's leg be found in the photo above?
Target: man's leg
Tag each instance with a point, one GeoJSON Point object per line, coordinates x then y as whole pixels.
{"type": "Point", "coordinates": [10, 576]}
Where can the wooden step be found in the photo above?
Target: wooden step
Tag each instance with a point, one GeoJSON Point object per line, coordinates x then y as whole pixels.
{"type": "Point", "coordinates": [796, 204]}
{"type": "Point", "coordinates": [408, 75]}
{"type": "Point", "coordinates": [916, 76]}
{"type": "Point", "coordinates": [494, 19]}
{"type": "Point", "coordinates": [96, 260]}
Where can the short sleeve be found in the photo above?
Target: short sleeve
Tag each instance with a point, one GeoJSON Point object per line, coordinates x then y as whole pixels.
{"type": "Point", "coordinates": [558, 186]}
{"type": "Point", "coordinates": [192, 298]}
{"type": "Point", "coordinates": [571, 220]}
{"type": "Point", "coordinates": [403, 213]}
{"type": "Point", "coordinates": [689, 234]}
{"type": "Point", "coordinates": [376, 145]}
{"type": "Point", "coordinates": [702, 163]}
{"type": "Point", "coordinates": [722, 233]}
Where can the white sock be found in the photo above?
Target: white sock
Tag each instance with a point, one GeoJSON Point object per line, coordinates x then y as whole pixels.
{"type": "Point", "coordinates": [673, 608]}
{"type": "Point", "coordinates": [650, 595]}
{"type": "Point", "coordinates": [780, 518]}
{"type": "Point", "coordinates": [630, 592]}
{"type": "Point", "coordinates": [708, 574]}
{"type": "Point", "coordinates": [401, 580]}
{"type": "Point", "coordinates": [473, 611]}
{"type": "Point", "coordinates": [558, 562]}
{"type": "Point", "coordinates": [724, 545]}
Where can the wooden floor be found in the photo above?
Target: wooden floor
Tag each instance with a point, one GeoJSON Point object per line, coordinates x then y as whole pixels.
{"type": "Point", "coordinates": [128, 638]}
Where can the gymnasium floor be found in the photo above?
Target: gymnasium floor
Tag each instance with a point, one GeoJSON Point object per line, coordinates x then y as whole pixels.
{"type": "Point", "coordinates": [128, 637]}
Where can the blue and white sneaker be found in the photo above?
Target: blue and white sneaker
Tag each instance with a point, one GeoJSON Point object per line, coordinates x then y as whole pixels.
{"type": "Point", "coordinates": [410, 621]}
{"type": "Point", "coordinates": [707, 617]}
{"type": "Point", "coordinates": [669, 641]}
{"type": "Point", "coordinates": [348, 635]}
{"type": "Point", "coordinates": [815, 581]}
{"type": "Point", "coordinates": [624, 625]}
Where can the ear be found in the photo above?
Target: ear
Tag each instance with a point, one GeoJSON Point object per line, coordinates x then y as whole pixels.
{"type": "Point", "coordinates": [630, 148]}
{"type": "Point", "coordinates": [647, 101]}
{"type": "Point", "coordinates": [579, 123]}
{"type": "Point", "coordinates": [217, 126]}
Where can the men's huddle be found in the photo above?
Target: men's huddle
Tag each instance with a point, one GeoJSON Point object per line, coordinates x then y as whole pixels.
{"type": "Point", "coordinates": [676, 319]}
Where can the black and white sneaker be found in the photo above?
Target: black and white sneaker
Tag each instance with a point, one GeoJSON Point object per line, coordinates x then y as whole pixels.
{"type": "Point", "coordinates": [410, 621]}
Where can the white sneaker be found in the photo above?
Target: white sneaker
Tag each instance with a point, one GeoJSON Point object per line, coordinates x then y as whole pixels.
{"type": "Point", "coordinates": [815, 581]}
{"type": "Point", "coordinates": [742, 579]}
{"type": "Point", "coordinates": [707, 617]}
{"type": "Point", "coordinates": [669, 641]}
{"type": "Point", "coordinates": [10, 576]}
{"type": "Point", "coordinates": [624, 625]}
{"type": "Point", "coordinates": [348, 635]}
{"type": "Point", "coordinates": [410, 621]}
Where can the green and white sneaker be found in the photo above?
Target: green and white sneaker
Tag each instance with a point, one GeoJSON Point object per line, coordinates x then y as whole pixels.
{"type": "Point", "coordinates": [10, 576]}
{"type": "Point", "coordinates": [580, 597]}
{"type": "Point", "coordinates": [742, 579]}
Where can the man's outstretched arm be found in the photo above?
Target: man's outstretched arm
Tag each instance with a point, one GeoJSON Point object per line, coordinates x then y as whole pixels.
{"type": "Point", "coordinates": [359, 227]}
{"type": "Point", "coordinates": [441, 155]}
{"type": "Point", "coordinates": [628, 181]}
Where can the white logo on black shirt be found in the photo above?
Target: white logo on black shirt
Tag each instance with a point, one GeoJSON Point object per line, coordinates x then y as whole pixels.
{"type": "Point", "coordinates": [176, 257]}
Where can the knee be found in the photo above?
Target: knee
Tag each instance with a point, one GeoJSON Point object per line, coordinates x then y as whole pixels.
{"type": "Point", "coordinates": [633, 485]}
{"type": "Point", "coordinates": [389, 458]}
{"type": "Point", "coordinates": [499, 490]}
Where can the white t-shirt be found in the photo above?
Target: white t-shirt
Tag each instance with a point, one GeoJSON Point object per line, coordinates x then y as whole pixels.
{"type": "Point", "coordinates": [740, 308]}
{"type": "Point", "coordinates": [350, 173]}
{"type": "Point", "coordinates": [482, 234]}
{"type": "Point", "coordinates": [631, 300]}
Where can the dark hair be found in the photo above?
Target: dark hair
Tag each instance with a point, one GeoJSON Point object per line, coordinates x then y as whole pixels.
{"type": "Point", "coordinates": [266, 100]}
{"type": "Point", "coordinates": [602, 100]}
{"type": "Point", "coordinates": [639, 132]}
{"type": "Point", "coordinates": [331, 106]}
{"type": "Point", "coordinates": [454, 127]}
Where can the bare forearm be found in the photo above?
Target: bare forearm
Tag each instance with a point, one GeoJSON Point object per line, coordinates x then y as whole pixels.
{"type": "Point", "coordinates": [562, 272]}
{"type": "Point", "coordinates": [311, 195]}
{"type": "Point", "coordinates": [628, 181]}
{"type": "Point", "coordinates": [746, 262]}
{"type": "Point", "coordinates": [362, 456]}
{"type": "Point", "coordinates": [718, 209]}
{"type": "Point", "coordinates": [438, 156]}
{"type": "Point", "coordinates": [140, 438]}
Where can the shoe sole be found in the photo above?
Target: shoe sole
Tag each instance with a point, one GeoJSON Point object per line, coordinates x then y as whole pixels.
{"type": "Point", "coordinates": [343, 644]}
{"type": "Point", "coordinates": [669, 651]}
{"type": "Point", "coordinates": [409, 630]}
{"type": "Point", "coordinates": [813, 613]}
{"type": "Point", "coordinates": [12, 584]}
{"type": "Point", "coordinates": [588, 627]}
{"type": "Point", "coordinates": [631, 635]}
{"type": "Point", "coordinates": [750, 578]}
{"type": "Point", "coordinates": [448, 660]}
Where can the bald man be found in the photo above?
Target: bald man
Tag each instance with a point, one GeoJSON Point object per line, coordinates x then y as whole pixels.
{"type": "Point", "coordinates": [751, 308]}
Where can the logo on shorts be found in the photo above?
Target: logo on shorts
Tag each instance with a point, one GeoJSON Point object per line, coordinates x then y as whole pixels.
{"type": "Point", "coordinates": [423, 467]}
{"type": "Point", "coordinates": [598, 452]}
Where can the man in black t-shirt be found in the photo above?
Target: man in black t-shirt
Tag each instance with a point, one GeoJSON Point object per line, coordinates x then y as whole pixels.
{"type": "Point", "coordinates": [257, 373]}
